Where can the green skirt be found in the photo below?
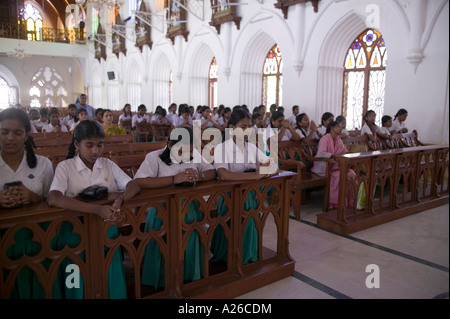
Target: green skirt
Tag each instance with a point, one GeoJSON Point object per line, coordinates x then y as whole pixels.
{"type": "Point", "coordinates": [116, 274]}
{"type": "Point", "coordinates": [27, 286]}
{"type": "Point", "coordinates": [219, 244]}
{"type": "Point", "coordinates": [153, 267]}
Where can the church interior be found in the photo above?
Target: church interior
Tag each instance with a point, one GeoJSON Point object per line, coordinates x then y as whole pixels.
{"type": "Point", "coordinates": [345, 57]}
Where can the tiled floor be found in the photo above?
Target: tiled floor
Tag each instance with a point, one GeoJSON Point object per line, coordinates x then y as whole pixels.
{"type": "Point", "coordinates": [412, 255]}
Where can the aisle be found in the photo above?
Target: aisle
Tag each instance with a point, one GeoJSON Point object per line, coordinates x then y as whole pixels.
{"type": "Point", "coordinates": [412, 255]}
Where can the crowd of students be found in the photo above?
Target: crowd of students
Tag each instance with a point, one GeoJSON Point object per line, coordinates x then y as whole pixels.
{"type": "Point", "coordinates": [29, 178]}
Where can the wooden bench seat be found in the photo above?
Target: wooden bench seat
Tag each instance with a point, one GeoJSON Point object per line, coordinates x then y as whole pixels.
{"type": "Point", "coordinates": [300, 157]}
{"type": "Point", "coordinates": [129, 163]}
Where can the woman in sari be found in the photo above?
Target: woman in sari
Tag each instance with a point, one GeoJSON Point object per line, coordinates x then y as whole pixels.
{"type": "Point", "coordinates": [330, 146]}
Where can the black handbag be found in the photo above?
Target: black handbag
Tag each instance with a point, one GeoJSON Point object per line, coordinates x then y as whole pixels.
{"type": "Point", "coordinates": [94, 192]}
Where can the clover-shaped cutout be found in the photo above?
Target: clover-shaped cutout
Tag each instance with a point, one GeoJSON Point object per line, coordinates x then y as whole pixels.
{"type": "Point", "coordinates": [65, 237]}
{"type": "Point", "coordinates": [24, 245]}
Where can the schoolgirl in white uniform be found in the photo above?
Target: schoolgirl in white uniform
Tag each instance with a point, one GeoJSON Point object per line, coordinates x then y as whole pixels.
{"type": "Point", "coordinates": [32, 175]}
{"type": "Point", "coordinates": [237, 159]}
{"type": "Point", "coordinates": [88, 168]}
{"type": "Point", "coordinates": [158, 170]}
{"type": "Point", "coordinates": [398, 124]}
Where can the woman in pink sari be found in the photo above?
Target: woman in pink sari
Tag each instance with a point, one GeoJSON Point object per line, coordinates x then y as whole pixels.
{"type": "Point", "coordinates": [331, 145]}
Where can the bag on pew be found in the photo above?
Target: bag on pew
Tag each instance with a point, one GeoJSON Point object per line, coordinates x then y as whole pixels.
{"type": "Point", "coordinates": [357, 148]}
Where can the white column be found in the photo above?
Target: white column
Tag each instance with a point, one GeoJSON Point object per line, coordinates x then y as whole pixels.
{"type": "Point", "coordinates": [418, 20]}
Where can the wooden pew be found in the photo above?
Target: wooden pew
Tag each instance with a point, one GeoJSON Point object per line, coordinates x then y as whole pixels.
{"type": "Point", "coordinates": [411, 139]}
{"type": "Point", "coordinates": [396, 183]}
{"type": "Point", "coordinates": [395, 141]}
{"type": "Point", "coordinates": [161, 132]}
{"type": "Point", "coordinates": [144, 132]}
{"type": "Point", "coordinates": [119, 139]}
{"type": "Point", "coordinates": [300, 157]}
{"type": "Point", "coordinates": [227, 279]}
{"type": "Point", "coordinates": [127, 125]}
{"type": "Point", "coordinates": [145, 148]}
{"type": "Point", "coordinates": [356, 144]}
{"type": "Point", "coordinates": [128, 163]}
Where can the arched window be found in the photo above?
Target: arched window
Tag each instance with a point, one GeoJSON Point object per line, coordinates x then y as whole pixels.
{"type": "Point", "coordinates": [273, 77]}
{"type": "Point", "coordinates": [47, 89]}
{"type": "Point", "coordinates": [4, 94]}
{"type": "Point", "coordinates": [33, 22]}
{"type": "Point", "coordinates": [213, 85]}
{"type": "Point", "coordinates": [364, 78]}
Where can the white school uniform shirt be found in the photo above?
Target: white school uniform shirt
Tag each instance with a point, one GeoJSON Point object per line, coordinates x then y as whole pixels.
{"type": "Point", "coordinates": [287, 135]}
{"type": "Point", "coordinates": [153, 166]}
{"type": "Point", "coordinates": [322, 130]}
{"type": "Point", "coordinates": [36, 179]}
{"type": "Point", "coordinates": [397, 126]}
{"type": "Point", "coordinates": [155, 118]}
{"type": "Point", "coordinates": [229, 156]}
{"type": "Point", "coordinates": [204, 120]}
{"type": "Point", "coordinates": [33, 128]}
{"type": "Point", "coordinates": [72, 176]}
{"type": "Point", "coordinates": [366, 129]}
{"type": "Point", "coordinates": [197, 116]}
{"type": "Point", "coordinates": [74, 125]}
{"type": "Point", "coordinates": [68, 120]}
{"type": "Point", "coordinates": [220, 120]}
{"type": "Point", "coordinates": [293, 119]}
{"type": "Point", "coordinates": [39, 123]}
{"type": "Point", "coordinates": [49, 128]}
{"type": "Point", "coordinates": [171, 117]}
{"type": "Point", "coordinates": [179, 120]}
{"type": "Point", "coordinates": [307, 132]}
{"type": "Point", "coordinates": [384, 130]}
{"type": "Point", "coordinates": [124, 117]}
{"type": "Point", "coordinates": [138, 119]}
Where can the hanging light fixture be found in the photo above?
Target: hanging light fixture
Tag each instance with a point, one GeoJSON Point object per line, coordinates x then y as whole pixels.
{"type": "Point", "coordinates": [99, 3]}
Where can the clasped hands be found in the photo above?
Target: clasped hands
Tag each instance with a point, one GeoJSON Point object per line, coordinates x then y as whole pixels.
{"type": "Point", "coordinates": [16, 195]}
{"type": "Point", "coordinates": [188, 175]}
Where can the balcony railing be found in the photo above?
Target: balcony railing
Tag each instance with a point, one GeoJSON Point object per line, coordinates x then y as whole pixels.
{"type": "Point", "coordinates": [17, 31]}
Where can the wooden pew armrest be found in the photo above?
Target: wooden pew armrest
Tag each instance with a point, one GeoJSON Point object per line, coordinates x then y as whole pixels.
{"type": "Point", "coordinates": [300, 167]}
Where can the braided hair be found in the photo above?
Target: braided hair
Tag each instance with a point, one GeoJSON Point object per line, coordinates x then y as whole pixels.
{"type": "Point", "coordinates": [20, 115]}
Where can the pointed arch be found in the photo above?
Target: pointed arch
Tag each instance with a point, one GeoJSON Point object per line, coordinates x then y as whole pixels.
{"type": "Point", "coordinates": [364, 77]}
{"type": "Point", "coordinates": [199, 74]}
{"type": "Point", "coordinates": [330, 64]}
{"type": "Point", "coordinates": [251, 68]}
{"type": "Point", "coordinates": [162, 71]}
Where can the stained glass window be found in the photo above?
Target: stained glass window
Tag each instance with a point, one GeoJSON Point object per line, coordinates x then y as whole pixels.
{"type": "Point", "coordinates": [33, 22]}
{"type": "Point", "coordinates": [213, 85]}
{"type": "Point", "coordinates": [47, 88]}
{"type": "Point", "coordinates": [272, 77]}
{"type": "Point", "coordinates": [4, 94]}
{"type": "Point", "coordinates": [364, 78]}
